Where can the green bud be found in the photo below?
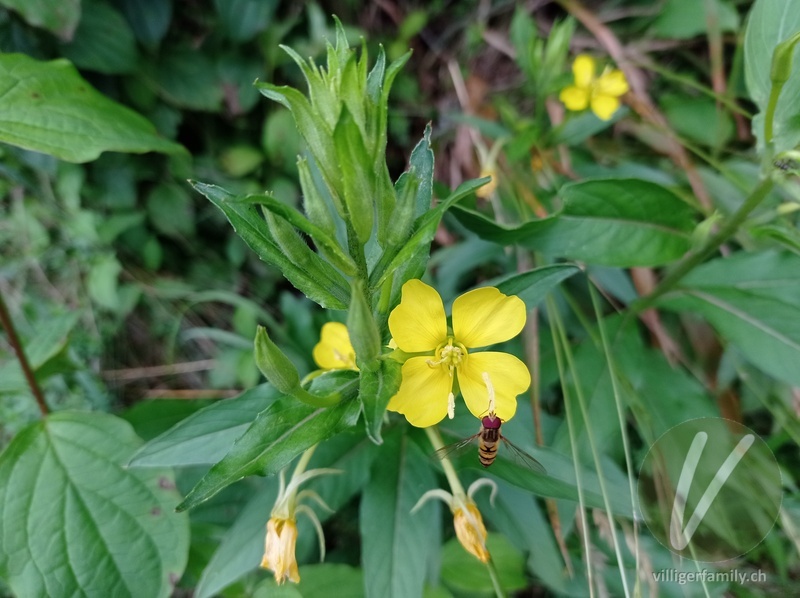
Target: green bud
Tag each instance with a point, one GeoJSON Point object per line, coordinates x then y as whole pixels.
{"type": "Point", "coordinates": [782, 59]}
{"type": "Point", "coordinates": [281, 373]}
{"type": "Point", "coordinates": [363, 329]}
{"type": "Point", "coordinates": [273, 363]}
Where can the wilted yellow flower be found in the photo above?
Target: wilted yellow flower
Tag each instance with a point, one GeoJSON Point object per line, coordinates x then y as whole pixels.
{"type": "Point", "coordinates": [279, 550]}
{"type": "Point", "coordinates": [470, 530]}
{"type": "Point", "coordinates": [445, 356]}
{"type": "Point", "coordinates": [600, 93]}
{"type": "Point", "coordinates": [334, 351]}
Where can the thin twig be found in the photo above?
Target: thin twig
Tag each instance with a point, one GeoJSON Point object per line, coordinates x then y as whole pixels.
{"type": "Point", "coordinates": [157, 371]}
{"type": "Point", "coordinates": [14, 341]}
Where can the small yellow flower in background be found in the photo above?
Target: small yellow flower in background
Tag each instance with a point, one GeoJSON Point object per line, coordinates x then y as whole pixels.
{"type": "Point", "coordinates": [279, 550]}
{"type": "Point", "coordinates": [444, 356]}
{"type": "Point", "coordinates": [601, 94]}
{"type": "Point", "coordinates": [490, 187]}
{"type": "Point", "coordinates": [334, 350]}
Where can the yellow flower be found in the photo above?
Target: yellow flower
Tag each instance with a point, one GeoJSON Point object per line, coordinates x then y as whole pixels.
{"type": "Point", "coordinates": [443, 356]}
{"type": "Point", "coordinates": [490, 187]}
{"type": "Point", "coordinates": [600, 93]}
{"type": "Point", "coordinates": [334, 350]}
{"type": "Point", "coordinates": [470, 530]}
{"type": "Point", "coordinates": [279, 550]}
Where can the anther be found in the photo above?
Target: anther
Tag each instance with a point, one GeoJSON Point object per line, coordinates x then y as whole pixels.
{"type": "Point", "coordinates": [488, 381]}
{"type": "Point", "coordinates": [451, 405]}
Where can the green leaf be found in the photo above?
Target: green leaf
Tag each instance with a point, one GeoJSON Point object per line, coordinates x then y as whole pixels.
{"type": "Point", "coordinates": [57, 16]}
{"type": "Point", "coordinates": [72, 507]}
{"type": "Point", "coordinates": [751, 299]}
{"type": "Point", "coordinates": [253, 229]}
{"type": "Point", "coordinates": [771, 22]}
{"type": "Point", "coordinates": [102, 283]}
{"type": "Point", "coordinates": [464, 573]}
{"type": "Point", "coordinates": [149, 20]}
{"type": "Point", "coordinates": [358, 181]}
{"type": "Point", "coordinates": [206, 436]}
{"type": "Point", "coordinates": [533, 286]}
{"type": "Point", "coordinates": [422, 234]}
{"type": "Point", "coordinates": [318, 581]}
{"type": "Point", "coordinates": [243, 19]}
{"type": "Point", "coordinates": [188, 78]}
{"type": "Point", "coordinates": [49, 338]}
{"type": "Point", "coordinates": [171, 210]}
{"type": "Point", "coordinates": [682, 20]}
{"type": "Point", "coordinates": [375, 389]}
{"type": "Point", "coordinates": [49, 108]}
{"type": "Point", "coordinates": [281, 432]}
{"type": "Point", "coordinates": [103, 42]}
{"type": "Point", "coordinates": [396, 545]}
{"type": "Point", "coordinates": [612, 222]}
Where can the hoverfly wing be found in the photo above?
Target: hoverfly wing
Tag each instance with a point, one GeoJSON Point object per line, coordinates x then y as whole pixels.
{"type": "Point", "coordinates": [522, 458]}
{"type": "Point", "coordinates": [457, 448]}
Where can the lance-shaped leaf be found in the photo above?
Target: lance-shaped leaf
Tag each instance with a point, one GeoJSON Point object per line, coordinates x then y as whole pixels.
{"type": "Point", "coordinates": [281, 432]}
{"type": "Point", "coordinates": [533, 286]}
{"type": "Point", "coordinates": [375, 390]}
{"type": "Point", "coordinates": [79, 523]}
{"type": "Point", "coordinates": [422, 234]}
{"type": "Point", "coordinates": [47, 107]}
{"type": "Point", "coordinates": [396, 545]}
{"type": "Point", "coordinates": [253, 229]}
{"type": "Point", "coordinates": [358, 177]}
{"type": "Point", "coordinates": [613, 222]}
{"type": "Point", "coordinates": [751, 299]}
{"type": "Point", "coordinates": [206, 436]}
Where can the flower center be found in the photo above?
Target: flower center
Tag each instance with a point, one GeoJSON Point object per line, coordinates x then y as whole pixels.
{"type": "Point", "coordinates": [448, 355]}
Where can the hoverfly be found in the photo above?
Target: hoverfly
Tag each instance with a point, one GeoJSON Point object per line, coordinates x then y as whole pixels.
{"type": "Point", "coordinates": [488, 438]}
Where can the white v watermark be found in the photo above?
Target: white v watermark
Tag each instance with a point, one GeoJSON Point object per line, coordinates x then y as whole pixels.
{"type": "Point", "coordinates": [680, 536]}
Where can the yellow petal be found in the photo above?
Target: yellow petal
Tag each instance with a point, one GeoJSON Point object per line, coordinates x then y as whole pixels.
{"type": "Point", "coordinates": [583, 68]}
{"type": "Point", "coordinates": [418, 323]}
{"type": "Point", "coordinates": [508, 375]}
{"type": "Point", "coordinates": [611, 83]}
{"type": "Point", "coordinates": [334, 350]}
{"type": "Point", "coordinates": [574, 98]}
{"type": "Point", "coordinates": [486, 316]}
{"type": "Point", "coordinates": [423, 393]}
{"type": "Point", "coordinates": [604, 106]}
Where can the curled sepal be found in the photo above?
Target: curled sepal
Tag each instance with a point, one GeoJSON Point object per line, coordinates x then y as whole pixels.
{"type": "Point", "coordinates": [480, 483]}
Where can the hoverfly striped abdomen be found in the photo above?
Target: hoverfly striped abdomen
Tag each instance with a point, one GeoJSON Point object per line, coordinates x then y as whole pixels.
{"type": "Point", "coordinates": [489, 436]}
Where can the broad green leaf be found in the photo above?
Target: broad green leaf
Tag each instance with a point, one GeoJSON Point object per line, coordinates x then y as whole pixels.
{"type": "Point", "coordinates": [71, 507]}
{"type": "Point", "coordinates": [171, 210]}
{"type": "Point", "coordinates": [253, 229]}
{"type": "Point", "coordinates": [533, 286]}
{"type": "Point", "coordinates": [243, 19]}
{"type": "Point", "coordinates": [375, 389]}
{"type": "Point", "coordinates": [149, 20]}
{"type": "Point", "coordinates": [281, 432]}
{"type": "Point", "coordinates": [187, 78]}
{"type": "Point", "coordinates": [771, 22]}
{"type": "Point", "coordinates": [699, 119]}
{"type": "Point", "coordinates": [396, 545]}
{"type": "Point", "coordinates": [47, 107]}
{"type": "Point", "coordinates": [103, 42]}
{"type": "Point", "coordinates": [613, 222]}
{"type": "Point", "coordinates": [678, 19]}
{"type": "Point", "coordinates": [464, 573]}
{"type": "Point", "coordinates": [318, 581]}
{"type": "Point", "coordinates": [57, 16]}
{"type": "Point", "coordinates": [150, 419]}
{"type": "Point", "coordinates": [751, 299]}
{"type": "Point", "coordinates": [206, 436]}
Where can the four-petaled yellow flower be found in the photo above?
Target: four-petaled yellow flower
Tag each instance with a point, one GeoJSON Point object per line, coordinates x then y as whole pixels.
{"type": "Point", "coordinates": [442, 356]}
{"type": "Point", "coordinates": [279, 549]}
{"type": "Point", "coordinates": [334, 351]}
{"type": "Point", "coordinates": [600, 93]}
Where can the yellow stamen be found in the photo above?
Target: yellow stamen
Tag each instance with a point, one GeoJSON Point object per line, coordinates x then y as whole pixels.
{"type": "Point", "coordinates": [488, 381]}
{"type": "Point", "coordinates": [451, 405]}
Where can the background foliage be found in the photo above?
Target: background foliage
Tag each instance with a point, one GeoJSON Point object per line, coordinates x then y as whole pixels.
{"type": "Point", "coordinates": [137, 303]}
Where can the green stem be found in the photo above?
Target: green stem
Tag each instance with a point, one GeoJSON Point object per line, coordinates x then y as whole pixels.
{"type": "Point", "coordinates": [725, 233]}
{"type": "Point", "coordinates": [13, 340]}
{"type": "Point", "coordinates": [449, 471]}
{"type": "Point", "coordinates": [498, 588]}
